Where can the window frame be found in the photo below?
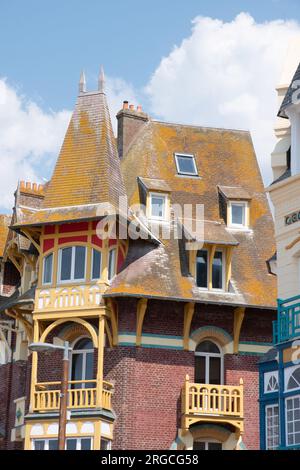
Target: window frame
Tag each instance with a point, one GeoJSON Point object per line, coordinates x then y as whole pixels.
{"type": "Point", "coordinates": [189, 156]}
{"type": "Point", "coordinates": [243, 203]}
{"type": "Point", "coordinates": [48, 439]}
{"type": "Point", "coordinates": [72, 279]}
{"type": "Point", "coordinates": [286, 419]}
{"type": "Point", "coordinates": [213, 289]}
{"type": "Point", "coordinates": [113, 248]}
{"type": "Point", "coordinates": [288, 372]}
{"type": "Point", "coordinates": [207, 356]}
{"type": "Point", "coordinates": [273, 405]}
{"type": "Point", "coordinates": [162, 196]}
{"type": "Point", "coordinates": [43, 274]}
{"type": "Point", "coordinates": [92, 264]}
{"type": "Point", "coordinates": [108, 442]}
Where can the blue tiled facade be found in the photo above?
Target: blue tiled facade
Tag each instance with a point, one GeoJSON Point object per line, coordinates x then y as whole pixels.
{"type": "Point", "coordinates": [279, 377]}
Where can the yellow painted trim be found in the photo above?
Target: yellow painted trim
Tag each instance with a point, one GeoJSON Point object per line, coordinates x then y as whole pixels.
{"type": "Point", "coordinates": [239, 314]}
{"type": "Point", "coordinates": [108, 333]}
{"type": "Point", "coordinates": [113, 315]}
{"type": "Point", "coordinates": [34, 365]}
{"type": "Point", "coordinates": [140, 314]}
{"type": "Point", "coordinates": [228, 257]}
{"type": "Point", "coordinates": [192, 262]}
{"type": "Point", "coordinates": [82, 322]}
{"type": "Point", "coordinates": [189, 310]}
{"type": "Point", "coordinates": [100, 361]}
{"type": "Point", "coordinates": [211, 255]}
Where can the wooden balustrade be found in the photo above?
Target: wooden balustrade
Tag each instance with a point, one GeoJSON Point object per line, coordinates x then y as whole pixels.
{"type": "Point", "coordinates": [81, 394]}
{"type": "Point", "coordinates": [68, 297]}
{"type": "Point", "coordinates": [201, 401]}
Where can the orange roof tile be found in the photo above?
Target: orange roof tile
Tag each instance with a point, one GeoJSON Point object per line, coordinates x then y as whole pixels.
{"type": "Point", "coordinates": [4, 224]}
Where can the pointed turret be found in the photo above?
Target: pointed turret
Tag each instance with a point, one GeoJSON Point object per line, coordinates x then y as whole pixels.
{"type": "Point", "coordinates": [82, 83]}
{"type": "Point", "coordinates": [88, 168]}
{"type": "Point", "coordinates": [101, 80]}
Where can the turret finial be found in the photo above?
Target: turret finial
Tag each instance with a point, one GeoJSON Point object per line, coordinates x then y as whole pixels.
{"type": "Point", "coordinates": [101, 80]}
{"type": "Point", "coordinates": [82, 83]}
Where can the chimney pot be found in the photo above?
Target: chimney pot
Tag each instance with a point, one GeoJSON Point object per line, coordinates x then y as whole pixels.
{"type": "Point", "coordinates": [125, 104]}
{"type": "Point", "coordinates": [34, 187]}
{"type": "Point", "coordinates": [28, 185]}
{"type": "Point", "coordinates": [22, 184]}
{"type": "Point", "coordinates": [131, 107]}
{"type": "Point", "coordinates": [139, 108]}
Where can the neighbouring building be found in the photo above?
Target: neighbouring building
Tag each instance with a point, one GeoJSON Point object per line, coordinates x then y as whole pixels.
{"type": "Point", "coordinates": [166, 324]}
{"type": "Point", "coordinates": [280, 367]}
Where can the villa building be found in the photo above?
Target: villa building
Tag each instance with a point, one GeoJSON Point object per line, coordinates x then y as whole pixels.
{"type": "Point", "coordinates": [280, 368]}
{"type": "Point", "coordinates": [166, 324]}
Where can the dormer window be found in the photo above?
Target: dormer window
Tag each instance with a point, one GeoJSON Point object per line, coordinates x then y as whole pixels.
{"type": "Point", "coordinates": [238, 214]}
{"type": "Point", "coordinates": [158, 206]}
{"type": "Point", "coordinates": [203, 260]}
{"type": "Point", "coordinates": [186, 164]}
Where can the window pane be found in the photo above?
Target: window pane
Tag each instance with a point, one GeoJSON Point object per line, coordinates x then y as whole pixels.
{"type": "Point", "coordinates": [215, 370]}
{"type": "Point", "coordinates": [157, 206]}
{"type": "Point", "coordinates": [66, 262]}
{"type": "Point", "coordinates": [238, 214]}
{"type": "Point", "coordinates": [200, 370]}
{"type": "Point", "coordinates": [186, 165]}
{"type": "Point", "coordinates": [86, 444]}
{"type": "Point", "coordinates": [53, 444]}
{"type": "Point", "coordinates": [39, 445]}
{"type": "Point", "coordinates": [105, 444]}
{"type": "Point", "coordinates": [199, 446]}
{"type": "Point", "coordinates": [71, 444]}
{"type": "Point", "coordinates": [89, 367]}
{"type": "Point", "coordinates": [112, 264]}
{"type": "Point", "coordinates": [79, 270]}
{"type": "Point", "coordinates": [96, 264]}
{"type": "Point", "coordinates": [47, 279]}
{"type": "Point", "coordinates": [77, 367]}
{"type": "Point", "coordinates": [214, 446]}
{"type": "Point", "coordinates": [217, 271]}
{"type": "Point", "coordinates": [201, 269]}
{"type": "Point", "coordinates": [208, 346]}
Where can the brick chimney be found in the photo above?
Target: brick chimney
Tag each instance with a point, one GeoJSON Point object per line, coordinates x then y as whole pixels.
{"type": "Point", "coordinates": [130, 120]}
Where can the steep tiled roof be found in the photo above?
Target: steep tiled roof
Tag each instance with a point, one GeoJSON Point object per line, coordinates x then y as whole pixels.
{"type": "Point", "coordinates": [87, 170]}
{"type": "Point", "coordinates": [223, 158]}
{"type": "Point", "coordinates": [4, 223]}
{"type": "Point", "coordinates": [287, 101]}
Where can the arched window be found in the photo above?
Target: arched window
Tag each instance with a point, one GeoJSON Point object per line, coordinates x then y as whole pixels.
{"type": "Point", "coordinates": [271, 382]}
{"type": "Point", "coordinates": [82, 364]}
{"type": "Point", "coordinates": [208, 363]}
{"type": "Point", "coordinates": [294, 380]}
{"type": "Point", "coordinates": [47, 269]}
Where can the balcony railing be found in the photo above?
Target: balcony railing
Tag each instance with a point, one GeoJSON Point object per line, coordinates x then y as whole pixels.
{"type": "Point", "coordinates": [287, 325]}
{"type": "Point", "coordinates": [203, 402]}
{"type": "Point", "coordinates": [68, 297]}
{"type": "Point", "coordinates": [81, 394]}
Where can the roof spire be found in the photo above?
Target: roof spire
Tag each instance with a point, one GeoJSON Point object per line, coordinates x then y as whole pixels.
{"type": "Point", "coordinates": [82, 83]}
{"type": "Point", "coordinates": [101, 80]}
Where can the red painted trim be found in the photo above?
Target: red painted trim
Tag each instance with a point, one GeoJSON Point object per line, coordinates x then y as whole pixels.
{"type": "Point", "coordinates": [73, 227]}
{"type": "Point", "coordinates": [49, 230]}
{"type": "Point", "coordinates": [121, 260]}
{"type": "Point", "coordinates": [48, 245]}
{"type": "Point", "coordinates": [82, 238]}
{"type": "Point", "coordinates": [96, 241]}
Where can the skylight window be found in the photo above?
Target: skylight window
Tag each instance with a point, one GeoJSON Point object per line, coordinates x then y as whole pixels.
{"type": "Point", "coordinates": [186, 164]}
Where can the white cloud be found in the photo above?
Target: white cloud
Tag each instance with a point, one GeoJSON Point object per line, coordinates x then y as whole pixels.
{"type": "Point", "coordinates": [29, 141]}
{"type": "Point", "coordinates": [224, 75]}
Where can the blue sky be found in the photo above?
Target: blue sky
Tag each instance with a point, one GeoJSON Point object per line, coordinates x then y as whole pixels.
{"type": "Point", "coordinates": [210, 63]}
{"type": "Point", "coordinates": [44, 44]}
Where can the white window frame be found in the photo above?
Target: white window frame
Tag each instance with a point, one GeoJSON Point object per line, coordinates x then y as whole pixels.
{"type": "Point", "coordinates": [209, 441]}
{"type": "Point", "coordinates": [286, 419]}
{"type": "Point", "coordinates": [113, 248]}
{"type": "Point", "coordinates": [108, 441]}
{"type": "Point", "coordinates": [72, 279]}
{"type": "Point", "coordinates": [44, 260]}
{"type": "Point", "coordinates": [46, 439]}
{"type": "Point", "coordinates": [165, 198]}
{"type": "Point", "coordinates": [207, 355]}
{"type": "Point", "coordinates": [267, 377]}
{"type": "Point", "coordinates": [287, 375]}
{"type": "Point", "coordinates": [243, 226]}
{"type": "Point", "coordinates": [274, 405]}
{"type": "Point", "coordinates": [191, 157]}
{"type": "Point", "coordinates": [92, 265]}
{"type": "Point", "coordinates": [207, 274]}
{"type": "Point", "coordinates": [84, 353]}
{"type": "Point", "coordinates": [78, 441]}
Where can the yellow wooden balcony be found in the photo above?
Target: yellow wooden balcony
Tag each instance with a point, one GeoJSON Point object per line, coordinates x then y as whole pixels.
{"type": "Point", "coordinates": [69, 298]}
{"type": "Point", "coordinates": [81, 394]}
{"type": "Point", "coordinates": [212, 403]}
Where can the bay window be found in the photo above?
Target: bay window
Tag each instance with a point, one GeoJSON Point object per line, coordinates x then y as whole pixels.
{"type": "Point", "coordinates": [71, 265]}
{"type": "Point", "coordinates": [47, 269]}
